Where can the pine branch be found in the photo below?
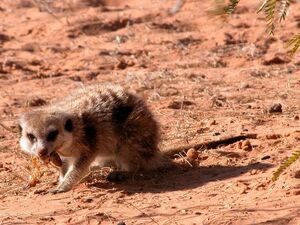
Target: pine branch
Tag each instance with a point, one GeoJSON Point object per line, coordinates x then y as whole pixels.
{"type": "Point", "coordinates": [294, 44]}
{"type": "Point", "coordinates": [269, 8]}
{"type": "Point", "coordinates": [284, 6]}
{"type": "Point", "coordinates": [289, 161]}
{"type": "Point", "coordinates": [222, 9]}
{"type": "Point", "coordinates": [231, 6]}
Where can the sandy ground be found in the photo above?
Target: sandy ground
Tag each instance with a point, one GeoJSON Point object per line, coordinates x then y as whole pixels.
{"type": "Point", "coordinates": [204, 80]}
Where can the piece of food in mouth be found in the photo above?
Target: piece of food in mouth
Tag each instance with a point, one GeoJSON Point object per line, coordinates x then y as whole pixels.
{"type": "Point", "coordinates": [35, 175]}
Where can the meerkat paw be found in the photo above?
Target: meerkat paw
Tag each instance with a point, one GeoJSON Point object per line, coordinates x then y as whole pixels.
{"type": "Point", "coordinates": [61, 189]}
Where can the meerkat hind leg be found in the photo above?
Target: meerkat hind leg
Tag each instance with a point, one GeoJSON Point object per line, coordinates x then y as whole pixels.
{"type": "Point", "coordinates": [117, 176]}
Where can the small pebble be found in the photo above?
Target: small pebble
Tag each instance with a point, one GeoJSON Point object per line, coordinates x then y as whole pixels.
{"type": "Point", "coordinates": [121, 223]}
{"type": "Point", "coordinates": [244, 85]}
{"type": "Point", "coordinates": [246, 145]}
{"type": "Point", "coordinates": [87, 200]}
{"type": "Point", "coordinates": [297, 174]}
{"type": "Point", "coordinates": [296, 192]}
{"type": "Point", "coordinates": [213, 122]}
{"type": "Point", "coordinates": [273, 136]}
{"type": "Point", "coordinates": [192, 154]}
{"type": "Point", "coordinates": [35, 101]}
{"type": "Point", "coordinates": [296, 117]}
{"type": "Point", "coordinates": [239, 145]}
{"type": "Point", "coordinates": [253, 172]}
{"type": "Point", "coordinates": [275, 108]}
{"type": "Point", "coordinates": [265, 157]}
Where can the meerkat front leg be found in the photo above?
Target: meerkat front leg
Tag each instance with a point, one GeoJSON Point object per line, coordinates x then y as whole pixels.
{"type": "Point", "coordinates": [63, 170]}
{"type": "Point", "coordinates": [75, 172]}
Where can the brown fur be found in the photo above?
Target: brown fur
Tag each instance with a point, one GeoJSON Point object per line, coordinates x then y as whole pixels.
{"type": "Point", "coordinates": [108, 123]}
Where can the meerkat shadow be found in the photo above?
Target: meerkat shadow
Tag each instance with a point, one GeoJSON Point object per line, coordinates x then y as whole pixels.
{"type": "Point", "coordinates": [175, 178]}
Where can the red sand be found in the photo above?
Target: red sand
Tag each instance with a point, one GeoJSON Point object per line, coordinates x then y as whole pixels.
{"type": "Point", "coordinates": [203, 79]}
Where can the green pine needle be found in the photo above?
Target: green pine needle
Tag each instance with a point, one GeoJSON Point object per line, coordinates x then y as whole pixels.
{"type": "Point", "coordinates": [290, 160]}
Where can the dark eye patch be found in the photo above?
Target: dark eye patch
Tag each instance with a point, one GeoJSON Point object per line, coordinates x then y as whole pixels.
{"type": "Point", "coordinates": [31, 137]}
{"type": "Point", "coordinates": [69, 125]}
{"type": "Point", "coordinates": [52, 135]}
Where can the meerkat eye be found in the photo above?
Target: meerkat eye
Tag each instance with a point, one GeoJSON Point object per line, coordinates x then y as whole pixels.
{"type": "Point", "coordinates": [52, 135]}
{"type": "Point", "coordinates": [69, 125]}
{"type": "Point", "coordinates": [31, 137]}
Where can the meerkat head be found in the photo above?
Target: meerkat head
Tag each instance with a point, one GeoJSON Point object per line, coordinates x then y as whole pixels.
{"type": "Point", "coordinates": [43, 132]}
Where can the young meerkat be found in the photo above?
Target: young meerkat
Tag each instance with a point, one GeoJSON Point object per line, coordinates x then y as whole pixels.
{"type": "Point", "coordinates": [95, 122]}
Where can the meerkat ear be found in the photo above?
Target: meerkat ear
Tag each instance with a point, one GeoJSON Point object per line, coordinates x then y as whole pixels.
{"type": "Point", "coordinates": [69, 125]}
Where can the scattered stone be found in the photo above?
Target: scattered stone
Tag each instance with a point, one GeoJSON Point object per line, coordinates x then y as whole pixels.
{"type": "Point", "coordinates": [242, 25]}
{"type": "Point", "coordinates": [180, 104]}
{"type": "Point", "coordinates": [91, 75]}
{"type": "Point", "coordinates": [214, 122]}
{"type": "Point", "coordinates": [275, 108]}
{"type": "Point", "coordinates": [244, 85]}
{"type": "Point", "coordinates": [246, 145]}
{"type": "Point", "coordinates": [259, 73]}
{"type": "Point", "coordinates": [29, 47]}
{"type": "Point", "coordinates": [252, 135]}
{"type": "Point", "coordinates": [296, 117]}
{"type": "Point", "coordinates": [233, 39]}
{"type": "Point", "coordinates": [192, 154]}
{"type": "Point", "coordinates": [121, 223]}
{"type": "Point", "coordinates": [277, 59]}
{"type": "Point", "coordinates": [87, 200]}
{"type": "Point", "coordinates": [123, 64]}
{"type": "Point", "coordinates": [35, 101]}
{"type": "Point", "coordinates": [217, 133]}
{"type": "Point", "coordinates": [40, 191]}
{"type": "Point", "coordinates": [273, 136]}
{"type": "Point", "coordinates": [47, 218]}
{"type": "Point", "coordinates": [253, 172]}
{"type": "Point", "coordinates": [239, 145]}
{"type": "Point", "coordinates": [265, 157]}
{"type": "Point", "coordinates": [297, 174]}
{"type": "Point", "coordinates": [202, 130]}
{"type": "Point", "coordinates": [296, 192]}
{"type": "Point", "coordinates": [35, 62]}
{"type": "Point", "coordinates": [4, 38]}
{"type": "Point", "coordinates": [76, 78]}
{"type": "Point", "coordinates": [243, 190]}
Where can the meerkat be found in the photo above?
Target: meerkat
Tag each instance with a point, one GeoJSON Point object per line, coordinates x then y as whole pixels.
{"type": "Point", "coordinates": [99, 123]}
{"type": "Point", "coordinates": [95, 122]}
